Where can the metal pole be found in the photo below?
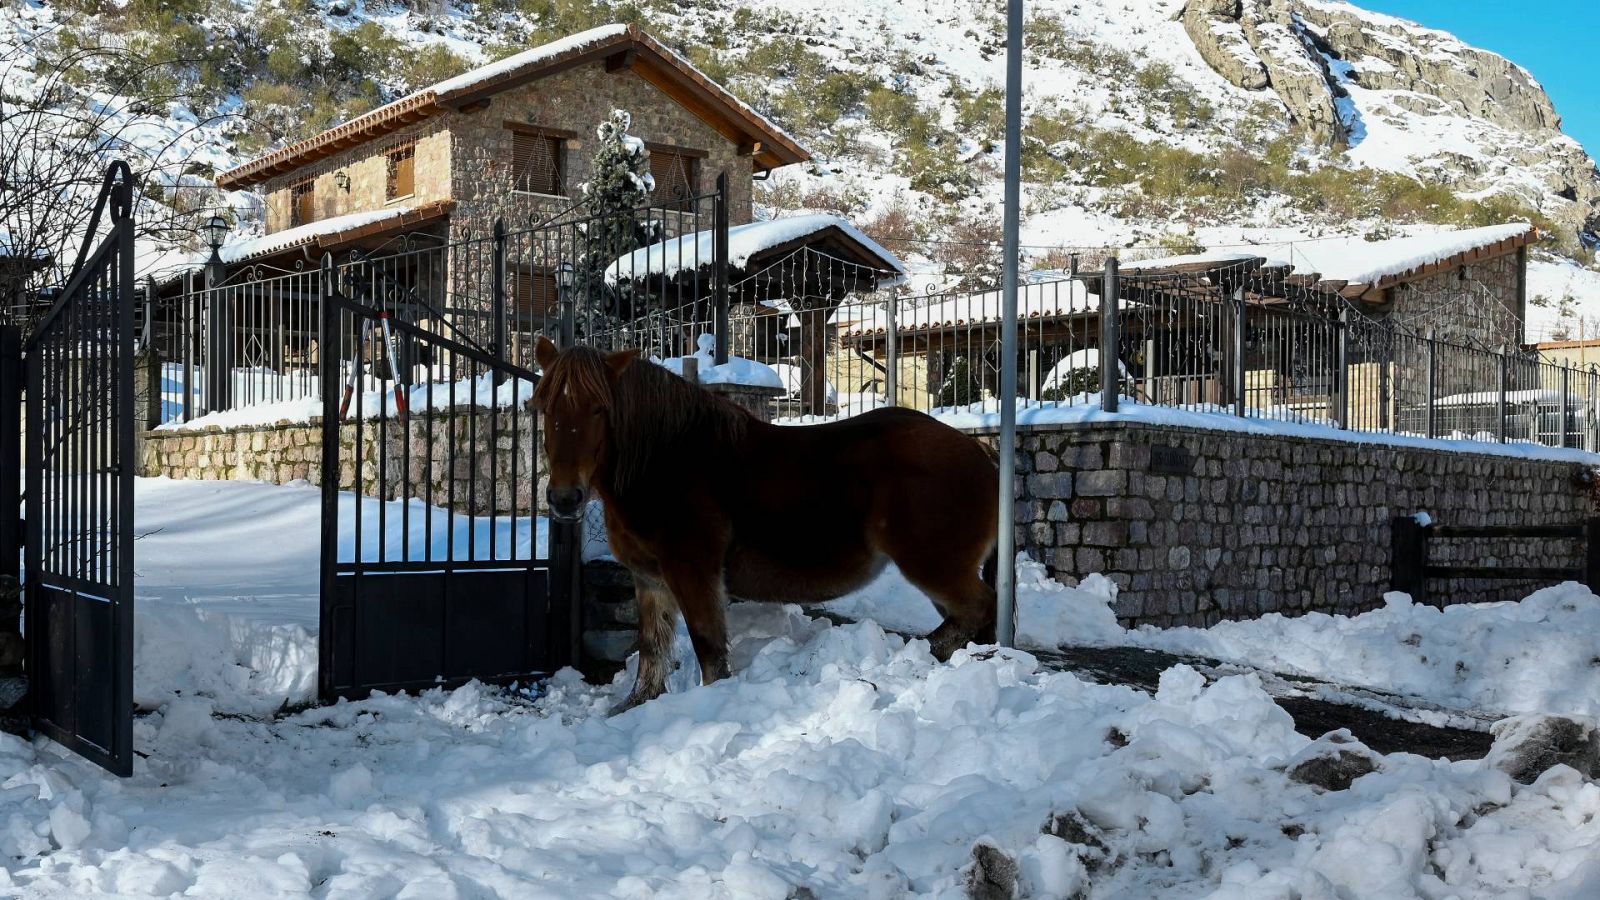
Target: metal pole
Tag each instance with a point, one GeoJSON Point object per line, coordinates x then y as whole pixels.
{"type": "Point", "coordinates": [1433, 378]}
{"type": "Point", "coordinates": [891, 344]}
{"type": "Point", "coordinates": [1566, 386]}
{"type": "Point", "coordinates": [498, 288]}
{"type": "Point", "coordinates": [1005, 577]}
{"type": "Point", "coordinates": [1341, 368]}
{"type": "Point", "coordinates": [1110, 382]}
{"type": "Point", "coordinates": [1500, 407]}
{"type": "Point", "coordinates": [1238, 373]}
{"type": "Point", "coordinates": [721, 288]}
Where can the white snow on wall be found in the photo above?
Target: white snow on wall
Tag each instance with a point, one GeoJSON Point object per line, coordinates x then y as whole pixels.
{"type": "Point", "coordinates": [695, 251]}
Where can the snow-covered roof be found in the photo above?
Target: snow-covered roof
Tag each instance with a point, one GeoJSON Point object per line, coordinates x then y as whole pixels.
{"type": "Point", "coordinates": [774, 146]}
{"type": "Point", "coordinates": [1045, 300]}
{"type": "Point", "coordinates": [1371, 262]}
{"type": "Point", "coordinates": [690, 252]}
{"type": "Point", "coordinates": [1193, 260]}
{"type": "Point", "coordinates": [323, 231]}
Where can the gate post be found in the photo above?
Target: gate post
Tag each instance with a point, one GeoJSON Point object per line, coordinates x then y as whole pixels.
{"type": "Point", "coordinates": [329, 351]}
{"type": "Point", "coordinates": [566, 592]}
{"type": "Point", "coordinates": [1110, 382]}
{"type": "Point", "coordinates": [12, 649]}
{"type": "Point", "coordinates": [720, 217]}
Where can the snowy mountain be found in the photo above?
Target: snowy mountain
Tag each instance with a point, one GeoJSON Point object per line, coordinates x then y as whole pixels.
{"type": "Point", "coordinates": [1207, 123]}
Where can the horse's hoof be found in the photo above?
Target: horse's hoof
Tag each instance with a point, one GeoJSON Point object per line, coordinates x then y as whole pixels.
{"type": "Point", "coordinates": [634, 699]}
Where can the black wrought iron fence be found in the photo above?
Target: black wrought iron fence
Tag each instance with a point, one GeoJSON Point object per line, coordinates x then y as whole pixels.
{"type": "Point", "coordinates": [606, 277]}
{"type": "Point", "coordinates": [1244, 340]}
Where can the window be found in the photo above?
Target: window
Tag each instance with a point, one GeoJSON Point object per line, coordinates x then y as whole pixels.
{"type": "Point", "coordinates": [538, 159]}
{"type": "Point", "coordinates": [677, 174]}
{"type": "Point", "coordinates": [402, 172]}
{"type": "Point", "coordinates": [303, 202]}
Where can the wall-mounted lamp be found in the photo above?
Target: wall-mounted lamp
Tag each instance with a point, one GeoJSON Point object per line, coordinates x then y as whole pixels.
{"type": "Point", "coordinates": [341, 180]}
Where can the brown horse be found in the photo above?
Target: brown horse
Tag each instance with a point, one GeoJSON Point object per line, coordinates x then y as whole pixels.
{"type": "Point", "coordinates": [704, 501]}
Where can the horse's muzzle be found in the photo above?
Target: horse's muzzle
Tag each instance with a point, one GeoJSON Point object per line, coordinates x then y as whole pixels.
{"type": "Point", "coordinates": [566, 504]}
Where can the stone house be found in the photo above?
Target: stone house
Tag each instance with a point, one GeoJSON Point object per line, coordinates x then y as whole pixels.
{"type": "Point", "coordinates": [509, 142]}
{"type": "Point", "coordinates": [1466, 287]}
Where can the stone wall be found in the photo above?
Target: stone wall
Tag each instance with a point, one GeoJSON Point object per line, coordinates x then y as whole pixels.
{"type": "Point", "coordinates": [1198, 526]}
{"type": "Point", "coordinates": [416, 455]}
{"type": "Point", "coordinates": [1483, 301]}
{"type": "Point", "coordinates": [368, 169]}
{"type": "Point", "coordinates": [577, 100]}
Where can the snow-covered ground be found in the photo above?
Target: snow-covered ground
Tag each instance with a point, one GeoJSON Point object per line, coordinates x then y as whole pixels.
{"type": "Point", "coordinates": [839, 761]}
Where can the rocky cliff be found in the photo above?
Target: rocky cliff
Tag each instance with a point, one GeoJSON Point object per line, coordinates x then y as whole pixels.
{"type": "Point", "coordinates": [1349, 76]}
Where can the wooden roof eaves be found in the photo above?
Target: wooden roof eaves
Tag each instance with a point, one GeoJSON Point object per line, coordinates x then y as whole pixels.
{"type": "Point", "coordinates": [655, 63]}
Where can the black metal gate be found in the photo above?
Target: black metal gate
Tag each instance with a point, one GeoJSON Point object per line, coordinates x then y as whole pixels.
{"type": "Point", "coordinates": [79, 461]}
{"type": "Point", "coordinates": [434, 567]}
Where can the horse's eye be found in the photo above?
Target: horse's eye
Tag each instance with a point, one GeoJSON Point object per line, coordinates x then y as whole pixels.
{"type": "Point", "coordinates": [598, 410]}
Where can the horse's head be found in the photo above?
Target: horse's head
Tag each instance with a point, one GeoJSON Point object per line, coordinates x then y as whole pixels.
{"type": "Point", "coordinates": [574, 396]}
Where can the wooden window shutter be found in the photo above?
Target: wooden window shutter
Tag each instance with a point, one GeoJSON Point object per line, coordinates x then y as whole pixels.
{"type": "Point", "coordinates": [303, 202]}
{"type": "Point", "coordinates": [535, 292]}
{"type": "Point", "coordinates": [402, 172]}
{"type": "Point", "coordinates": [536, 162]}
{"type": "Point", "coordinates": [675, 174]}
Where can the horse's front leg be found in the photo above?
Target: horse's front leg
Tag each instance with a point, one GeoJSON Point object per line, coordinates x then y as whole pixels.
{"type": "Point", "coordinates": [702, 595]}
{"type": "Point", "coordinates": [657, 618]}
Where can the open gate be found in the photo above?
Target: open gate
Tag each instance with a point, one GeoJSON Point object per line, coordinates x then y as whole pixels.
{"type": "Point", "coordinates": [435, 566]}
{"type": "Point", "coordinates": [79, 462]}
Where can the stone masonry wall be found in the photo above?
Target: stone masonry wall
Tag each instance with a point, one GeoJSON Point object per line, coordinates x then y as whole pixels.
{"type": "Point", "coordinates": [1198, 526]}
{"type": "Point", "coordinates": [287, 452]}
{"type": "Point", "coordinates": [576, 100]}
{"type": "Point", "coordinates": [368, 168]}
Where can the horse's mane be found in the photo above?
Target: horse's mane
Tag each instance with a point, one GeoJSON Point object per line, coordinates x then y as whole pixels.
{"type": "Point", "coordinates": [649, 408]}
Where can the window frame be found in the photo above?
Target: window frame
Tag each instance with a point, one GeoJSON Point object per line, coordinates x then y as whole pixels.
{"type": "Point", "coordinates": [558, 138]}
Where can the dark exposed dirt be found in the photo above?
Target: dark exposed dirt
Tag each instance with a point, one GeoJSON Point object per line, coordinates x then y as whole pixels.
{"type": "Point", "coordinates": [1313, 716]}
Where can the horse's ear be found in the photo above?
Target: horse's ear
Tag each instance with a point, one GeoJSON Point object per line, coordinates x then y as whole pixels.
{"type": "Point", "coordinates": [545, 352]}
{"type": "Point", "coordinates": [620, 360]}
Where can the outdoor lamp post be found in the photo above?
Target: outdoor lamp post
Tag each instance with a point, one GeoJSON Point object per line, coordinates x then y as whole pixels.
{"type": "Point", "coordinates": [215, 231]}
{"type": "Point", "coordinates": [564, 281]}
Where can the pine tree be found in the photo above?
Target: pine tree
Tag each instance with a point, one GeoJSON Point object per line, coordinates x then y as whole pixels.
{"type": "Point", "coordinates": [961, 386]}
{"type": "Point", "coordinates": [611, 198]}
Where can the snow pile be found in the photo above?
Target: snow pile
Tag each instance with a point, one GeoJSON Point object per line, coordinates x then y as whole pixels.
{"type": "Point", "coordinates": [692, 252]}
{"type": "Point", "coordinates": [836, 762]}
{"type": "Point", "coordinates": [737, 370]}
{"type": "Point", "coordinates": [1535, 655]}
{"type": "Point", "coordinates": [1490, 659]}
{"type": "Point", "coordinates": [1218, 258]}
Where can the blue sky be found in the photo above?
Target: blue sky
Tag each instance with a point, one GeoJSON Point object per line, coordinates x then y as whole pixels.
{"type": "Point", "coordinates": [1556, 44]}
